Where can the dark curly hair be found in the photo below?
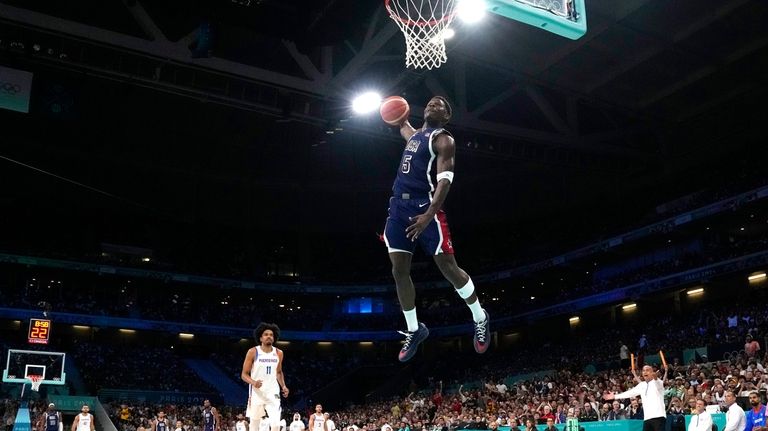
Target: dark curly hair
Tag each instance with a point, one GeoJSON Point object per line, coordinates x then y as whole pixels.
{"type": "Point", "coordinates": [263, 326]}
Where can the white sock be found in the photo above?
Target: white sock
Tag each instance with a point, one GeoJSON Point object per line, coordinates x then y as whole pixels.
{"type": "Point", "coordinates": [478, 315]}
{"type": "Point", "coordinates": [410, 320]}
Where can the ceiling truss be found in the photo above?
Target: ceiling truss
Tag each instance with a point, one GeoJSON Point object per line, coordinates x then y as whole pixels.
{"type": "Point", "coordinates": [244, 85]}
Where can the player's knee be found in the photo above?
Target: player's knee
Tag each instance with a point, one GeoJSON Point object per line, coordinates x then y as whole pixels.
{"type": "Point", "coordinates": [449, 268]}
{"type": "Point", "coordinates": [401, 272]}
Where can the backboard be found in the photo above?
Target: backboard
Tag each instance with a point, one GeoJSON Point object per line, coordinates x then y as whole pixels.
{"type": "Point", "coordinates": [22, 363]}
{"type": "Point", "coordinates": [568, 18]}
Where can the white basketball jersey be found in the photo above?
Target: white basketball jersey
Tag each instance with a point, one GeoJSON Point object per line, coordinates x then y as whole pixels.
{"type": "Point", "coordinates": [319, 422]}
{"type": "Point", "coordinates": [84, 422]}
{"type": "Point", "coordinates": [265, 369]}
{"type": "Point", "coordinates": [241, 426]}
{"type": "Point", "coordinates": [297, 426]}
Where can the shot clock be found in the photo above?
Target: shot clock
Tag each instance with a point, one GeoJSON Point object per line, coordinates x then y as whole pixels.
{"type": "Point", "coordinates": [39, 331]}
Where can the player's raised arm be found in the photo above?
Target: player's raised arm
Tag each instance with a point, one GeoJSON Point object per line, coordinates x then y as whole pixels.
{"type": "Point", "coordinates": [75, 422]}
{"type": "Point", "coordinates": [406, 130]}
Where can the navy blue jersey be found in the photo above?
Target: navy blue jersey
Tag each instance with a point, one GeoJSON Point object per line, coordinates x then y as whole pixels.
{"type": "Point", "coordinates": [51, 421]}
{"type": "Point", "coordinates": [416, 173]}
{"type": "Point", "coordinates": [209, 420]}
{"type": "Point", "coordinates": [162, 425]}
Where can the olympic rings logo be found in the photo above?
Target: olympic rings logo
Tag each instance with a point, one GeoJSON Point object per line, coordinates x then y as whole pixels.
{"type": "Point", "coordinates": [9, 88]}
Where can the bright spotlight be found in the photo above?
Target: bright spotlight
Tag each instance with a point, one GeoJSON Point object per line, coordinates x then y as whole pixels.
{"type": "Point", "coordinates": [366, 102]}
{"type": "Point", "coordinates": [448, 33]}
{"type": "Point", "coordinates": [471, 11]}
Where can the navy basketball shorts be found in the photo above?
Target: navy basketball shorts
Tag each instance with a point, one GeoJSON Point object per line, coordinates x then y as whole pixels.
{"type": "Point", "coordinates": [434, 240]}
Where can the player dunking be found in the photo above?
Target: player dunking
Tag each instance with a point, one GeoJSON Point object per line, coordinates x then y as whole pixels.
{"type": "Point", "coordinates": [211, 418]}
{"type": "Point", "coordinates": [263, 371]}
{"type": "Point", "coordinates": [84, 421]}
{"type": "Point", "coordinates": [416, 215]}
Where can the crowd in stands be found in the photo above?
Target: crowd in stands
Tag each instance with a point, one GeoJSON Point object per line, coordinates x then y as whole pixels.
{"type": "Point", "coordinates": [243, 308]}
{"type": "Point", "coordinates": [138, 416]}
{"type": "Point", "coordinates": [135, 367]}
{"type": "Point", "coordinates": [451, 398]}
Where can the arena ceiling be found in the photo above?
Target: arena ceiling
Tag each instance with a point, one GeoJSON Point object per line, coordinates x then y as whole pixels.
{"type": "Point", "coordinates": [654, 87]}
{"type": "Point", "coordinates": [645, 67]}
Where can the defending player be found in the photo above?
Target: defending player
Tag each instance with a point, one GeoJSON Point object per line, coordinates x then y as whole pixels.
{"type": "Point", "coordinates": [263, 371]}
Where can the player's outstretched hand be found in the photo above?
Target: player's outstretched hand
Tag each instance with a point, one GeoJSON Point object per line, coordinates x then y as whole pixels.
{"type": "Point", "coordinates": [419, 223]}
{"type": "Point", "coordinates": [257, 384]}
{"type": "Point", "coordinates": [285, 391]}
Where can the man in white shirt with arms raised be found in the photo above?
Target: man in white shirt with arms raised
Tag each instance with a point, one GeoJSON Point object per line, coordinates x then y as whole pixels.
{"type": "Point", "coordinates": [651, 391]}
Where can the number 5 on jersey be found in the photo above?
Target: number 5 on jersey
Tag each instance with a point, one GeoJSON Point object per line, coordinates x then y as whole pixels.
{"type": "Point", "coordinates": [406, 166]}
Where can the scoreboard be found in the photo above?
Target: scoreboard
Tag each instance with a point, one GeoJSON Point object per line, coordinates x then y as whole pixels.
{"type": "Point", "coordinates": [39, 331]}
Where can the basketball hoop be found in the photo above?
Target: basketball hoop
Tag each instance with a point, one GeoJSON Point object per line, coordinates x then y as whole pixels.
{"type": "Point", "coordinates": [423, 22]}
{"type": "Point", "coordinates": [36, 382]}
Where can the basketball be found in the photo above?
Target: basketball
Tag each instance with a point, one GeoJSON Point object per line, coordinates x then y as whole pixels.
{"type": "Point", "coordinates": [394, 110]}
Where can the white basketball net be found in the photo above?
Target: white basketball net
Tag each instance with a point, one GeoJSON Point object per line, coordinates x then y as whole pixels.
{"type": "Point", "coordinates": [423, 22]}
{"type": "Point", "coordinates": [36, 382]}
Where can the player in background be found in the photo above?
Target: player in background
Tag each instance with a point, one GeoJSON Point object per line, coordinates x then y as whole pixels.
{"type": "Point", "coordinates": [317, 420]}
{"type": "Point", "coordinates": [297, 424]}
{"type": "Point", "coordinates": [329, 424]}
{"type": "Point", "coordinates": [51, 420]}
{"type": "Point", "coordinates": [263, 371]}
{"type": "Point", "coordinates": [241, 424]}
{"type": "Point", "coordinates": [84, 420]}
{"type": "Point", "coordinates": [161, 422]}
{"type": "Point", "coordinates": [211, 418]}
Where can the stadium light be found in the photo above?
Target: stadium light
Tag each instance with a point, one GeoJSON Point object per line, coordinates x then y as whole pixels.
{"type": "Point", "coordinates": [127, 331]}
{"type": "Point", "coordinates": [366, 102]}
{"type": "Point", "coordinates": [186, 335]}
{"type": "Point", "coordinates": [81, 327]}
{"type": "Point", "coordinates": [574, 319]}
{"type": "Point", "coordinates": [756, 276]}
{"type": "Point", "coordinates": [627, 307]}
{"type": "Point", "coordinates": [696, 291]}
{"type": "Point", "coordinates": [471, 11]}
